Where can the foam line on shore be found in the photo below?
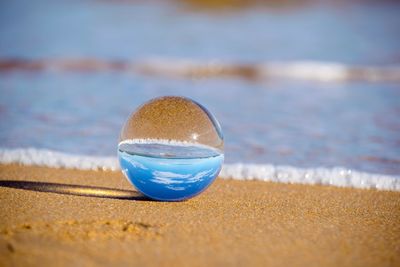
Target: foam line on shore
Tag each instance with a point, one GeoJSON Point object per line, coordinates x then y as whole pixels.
{"type": "Point", "coordinates": [55, 159]}
{"type": "Point", "coordinates": [148, 141]}
{"type": "Point", "coordinates": [338, 176]}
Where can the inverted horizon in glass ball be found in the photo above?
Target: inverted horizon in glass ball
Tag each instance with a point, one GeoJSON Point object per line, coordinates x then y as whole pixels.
{"type": "Point", "coordinates": [171, 148]}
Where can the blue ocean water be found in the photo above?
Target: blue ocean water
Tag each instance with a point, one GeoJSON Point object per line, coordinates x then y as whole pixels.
{"type": "Point", "coordinates": [169, 172]}
{"type": "Point", "coordinates": [306, 124]}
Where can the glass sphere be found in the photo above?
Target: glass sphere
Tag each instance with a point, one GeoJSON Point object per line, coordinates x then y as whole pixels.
{"type": "Point", "coordinates": [171, 148]}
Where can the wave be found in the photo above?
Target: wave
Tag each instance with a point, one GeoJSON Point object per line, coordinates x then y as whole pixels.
{"type": "Point", "coordinates": [338, 176]}
{"type": "Point", "coordinates": [187, 68]}
{"type": "Point", "coordinates": [296, 70]}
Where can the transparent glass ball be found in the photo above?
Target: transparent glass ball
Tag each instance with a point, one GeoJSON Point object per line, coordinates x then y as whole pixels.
{"type": "Point", "coordinates": [171, 148]}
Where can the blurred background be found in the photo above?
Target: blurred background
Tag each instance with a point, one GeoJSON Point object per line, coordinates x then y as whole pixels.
{"type": "Point", "coordinates": [301, 83]}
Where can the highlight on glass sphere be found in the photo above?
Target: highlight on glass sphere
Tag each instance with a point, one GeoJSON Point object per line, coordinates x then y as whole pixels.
{"type": "Point", "coordinates": [171, 148]}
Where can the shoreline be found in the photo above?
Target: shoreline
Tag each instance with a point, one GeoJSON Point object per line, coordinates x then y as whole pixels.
{"type": "Point", "coordinates": [96, 218]}
{"type": "Point", "coordinates": [334, 176]}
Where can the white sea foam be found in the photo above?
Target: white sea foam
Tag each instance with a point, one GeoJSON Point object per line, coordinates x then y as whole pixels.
{"type": "Point", "coordinates": [54, 159]}
{"type": "Point", "coordinates": [337, 176]}
{"type": "Point", "coordinates": [178, 67]}
{"type": "Point", "coordinates": [299, 70]}
{"type": "Point", "coordinates": [340, 177]}
{"type": "Point", "coordinates": [165, 142]}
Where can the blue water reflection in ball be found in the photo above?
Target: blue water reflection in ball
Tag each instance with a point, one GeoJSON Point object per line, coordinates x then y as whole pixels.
{"type": "Point", "coordinates": [171, 149]}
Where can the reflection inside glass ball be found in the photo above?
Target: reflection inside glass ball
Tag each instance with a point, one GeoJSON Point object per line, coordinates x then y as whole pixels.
{"type": "Point", "coordinates": [171, 148]}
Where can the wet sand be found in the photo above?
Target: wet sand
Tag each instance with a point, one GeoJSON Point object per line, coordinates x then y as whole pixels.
{"type": "Point", "coordinates": [54, 217]}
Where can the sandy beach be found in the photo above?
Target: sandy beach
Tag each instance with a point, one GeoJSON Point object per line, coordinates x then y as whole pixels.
{"type": "Point", "coordinates": [294, 104]}
{"type": "Point", "coordinates": [69, 217]}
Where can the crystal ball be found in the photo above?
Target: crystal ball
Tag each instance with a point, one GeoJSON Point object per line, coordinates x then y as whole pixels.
{"type": "Point", "coordinates": [171, 148]}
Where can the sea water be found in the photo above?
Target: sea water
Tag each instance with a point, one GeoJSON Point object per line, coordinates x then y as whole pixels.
{"type": "Point", "coordinates": [278, 130]}
{"type": "Point", "coordinates": [169, 171]}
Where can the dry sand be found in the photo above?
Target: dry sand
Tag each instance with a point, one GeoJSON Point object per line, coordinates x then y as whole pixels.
{"type": "Point", "coordinates": [232, 223]}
